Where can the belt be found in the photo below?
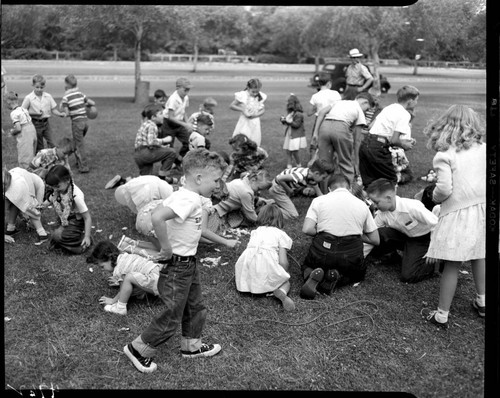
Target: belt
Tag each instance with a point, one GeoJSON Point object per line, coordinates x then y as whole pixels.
{"type": "Point", "coordinates": [326, 235]}
{"type": "Point", "coordinates": [379, 138]}
{"type": "Point", "coordinates": [38, 119]}
{"type": "Point", "coordinates": [354, 85]}
{"type": "Point", "coordinates": [182, 259]}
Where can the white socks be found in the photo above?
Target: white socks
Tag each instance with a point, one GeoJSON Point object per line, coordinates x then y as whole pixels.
{"type": "Point", "coordinates": [11, 227]}
{"type": "Point", "coordinates": [121, 305]}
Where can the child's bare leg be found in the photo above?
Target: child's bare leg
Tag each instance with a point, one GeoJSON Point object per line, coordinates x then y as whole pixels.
{"type": "Point", "coordinates": [296, 156]}
{"type": "Point", "coordinates": [282, 294]}
{"type": "Point", "coordinates": [479, 273]}
{"type": "Point", "coordinates": [11, 213]}
{"type": "Point", "coordinates": [448, 285]}
{"type": "Point", "coordinates": [126, 288]}
{"type": "Point", "coordinates": [289, 158]}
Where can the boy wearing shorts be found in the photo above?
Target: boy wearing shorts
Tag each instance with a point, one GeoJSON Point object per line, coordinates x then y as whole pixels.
{"type": "Point", "coordinates": [177, 223]}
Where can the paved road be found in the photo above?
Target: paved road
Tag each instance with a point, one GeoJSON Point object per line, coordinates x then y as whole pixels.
{"type": "Point", "coordinates": [108, 79]}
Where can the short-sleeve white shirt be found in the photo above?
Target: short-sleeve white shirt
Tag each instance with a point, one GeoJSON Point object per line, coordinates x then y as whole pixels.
{"type": "Point", "coordinates": [392, 118]}
{"type": "Point", "coordinates": [39, 105]}
{"type": "Point", "coordinates": [347, 111]}
{"type": "Point", "coordinates": [177, 104]}
{"type": "Point", "coordinates": [79, 205]}
{"type": "Point", "coordinates": [323, 98]}
{"type": "Point", "coordinates": [184, 231]}
{"type": "Point", "coordinates": [340, 213]}
{"type": "Point", "coordinates": [20, 115]}
{"type": "Point", "coordinates": [196, 140]}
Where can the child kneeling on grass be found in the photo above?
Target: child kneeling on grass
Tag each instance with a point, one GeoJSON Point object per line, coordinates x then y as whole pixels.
{"type": "Point", "coordinates": [73, 235]}
{"type": "Point", "coordinates": [134, 274]}
{"type": "Point", "coordinates": [178, 225]}
{"type": "Point", "coordinates": [263, 265]}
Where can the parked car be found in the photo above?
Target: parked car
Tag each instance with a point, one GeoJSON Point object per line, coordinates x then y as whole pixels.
{"type": "Point", "coordinates": [336, 70]}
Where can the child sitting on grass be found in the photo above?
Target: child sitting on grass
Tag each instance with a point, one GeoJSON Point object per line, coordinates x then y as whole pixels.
{"type": "Point", "coordinates": [240, 207]}
{"type": "Point", "coordinates": [73, 235]}
{"type": "Point", "coordinates": [23, 194]}
{"type": "Point", "coordinates": [290, 181]}
{"type": "Point", "coordinates": [247, 156]}
{"type": "Point", "coordinates": [263, 265]}
{"type": "Point", "coordinates": [134, 274]}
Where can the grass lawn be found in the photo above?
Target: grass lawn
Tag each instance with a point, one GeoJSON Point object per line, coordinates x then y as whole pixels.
{"type": "Point", "coordinates": [368, 337]}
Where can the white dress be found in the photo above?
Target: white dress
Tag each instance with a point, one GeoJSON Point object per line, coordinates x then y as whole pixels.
{"type": "Point", "coordinates": [246, 126]}
{"type": "Point", "coordinates": [257, 269]}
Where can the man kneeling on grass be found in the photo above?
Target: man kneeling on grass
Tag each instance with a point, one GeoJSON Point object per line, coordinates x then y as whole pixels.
{"type": "Point", "coordinates": [340, 223]}
{"type": "Point", "coordinates": [403, 224]}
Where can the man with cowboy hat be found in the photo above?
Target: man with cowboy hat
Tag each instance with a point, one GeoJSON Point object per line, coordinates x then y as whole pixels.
{"type": "Point", "coordinates": [358, 77]}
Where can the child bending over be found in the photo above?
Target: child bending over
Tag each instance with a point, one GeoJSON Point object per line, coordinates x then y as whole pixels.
{"type": "Point", "coordinates": [246, 156]}
{"type": "Point", "coordinates": [23, 194]}
{"type": "Point", "coordinates": [263, 265]}
{"type": "Point", "coordinates": [134, 274]}
{"type": "Point", "coordinates": [46, 158]}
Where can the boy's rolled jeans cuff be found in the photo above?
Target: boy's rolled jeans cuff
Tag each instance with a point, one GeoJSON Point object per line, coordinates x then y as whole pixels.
{"type": "Point", "coordinates": [143, 348]}
{"type": "Point", "coordinates": [189, 344]}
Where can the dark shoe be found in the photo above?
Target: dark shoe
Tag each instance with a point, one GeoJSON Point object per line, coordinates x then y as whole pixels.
{"type": "Point", "coordinates": [206, 350]}
{"type": "Point", "coordinates": [114, 182]}
{"type": "Point", "coordinates": [480, 310]}
{"type": "Point", "coordinates": [308, 290]}
{"type": "Point", "coordinates": [12, 233]}
{"type": "Point", "coordinates": [143, 364]}
{"type": "Point", "coordinates": [41, 239]}
{"type": "Point", "coordinates": [330, 280]}
{"type": "Point", "coordinates": [84, 170]}
{"type": "Point", "coordinates": [430, 316]}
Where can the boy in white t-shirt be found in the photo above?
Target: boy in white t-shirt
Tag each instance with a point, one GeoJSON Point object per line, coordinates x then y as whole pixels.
{"type": "Point", "coordinates": [178, 226]}
{"type": "Point", "coordinates": [323, 97]}
{"type": "Point", "coordinates": [391, 127]}
{"type": "Point", "coordinates": [175, 121]}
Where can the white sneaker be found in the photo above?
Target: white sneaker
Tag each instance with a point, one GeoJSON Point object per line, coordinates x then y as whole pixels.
{"type": "Point", "coordinates": [113, 182]}
{"type": "Point", "coordinates": [206, 350]}
{"type": "Point", "coordinates": [114, 309]}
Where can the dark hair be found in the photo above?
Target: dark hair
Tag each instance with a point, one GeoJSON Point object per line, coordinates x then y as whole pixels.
{"type": "Point", "coordinates": [367, 96]}
{"type": "Point", "coordinates": [150, 110]}
{"type": "Point", "coordinates": [270, 215]}
{"type": "Point", "coordinates": [255, 83]}
{"type": "Point", "coordinates": [323, 78]}
{"type": "Point", "coordinates": [71, 81]}
{"type": "Point", "coordinates": [57, 174]}
{"type": "Point", "coordinates": [204, 119]}
{"type": "Point", "coordinates": [381, 185]}
{"type": "Point", "coordinates": [159, 94]}
{"type": "Point", "coordinates": [105, 250]}
{"type": "Point", "coordinates": [322, 166]}
{"type": "Point", "coordinates": [224, 155]}
{"type": "Point", "coordinates": [243, 142]}
{"type": "Point", "coordinates": [293, 104]}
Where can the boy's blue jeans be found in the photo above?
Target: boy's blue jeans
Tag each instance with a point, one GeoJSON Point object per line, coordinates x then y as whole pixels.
{"type": "Point", "coordinates": [180, 290]}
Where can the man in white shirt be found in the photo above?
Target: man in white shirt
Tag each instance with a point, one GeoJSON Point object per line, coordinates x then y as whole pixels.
{"type": "Point", "coordinates": [338, 129]}
{"type": "Point", "coordinates": [391, 127]}
{"type": "Point", "coordinates": [339, 223]}
{"type": "Point", "coordinates": [403, 224]}
{"type": "Point", "coordinates": [358, 77]}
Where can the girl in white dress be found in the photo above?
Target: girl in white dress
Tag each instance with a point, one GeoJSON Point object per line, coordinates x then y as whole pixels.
{"type": "Point", "coordinates": [459, 236]}
{"type": "Point", "coordinates": [263, 265]}
{"type": "Point", "coordinates": [250, 102]}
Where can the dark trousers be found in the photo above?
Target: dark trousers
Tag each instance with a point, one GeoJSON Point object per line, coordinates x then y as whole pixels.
{"type": "Point", "coordinates": [413, 266]}
{"type": "Point", "coordinates": [345, 254]}
{"type": "Point", "coordinates": [175, 131]}
{"type": "Point", "coordinates": [375, 160]}
{"type": "Point", "coordinates": [43, 130]}
{"type": "Point", "coordinates": [145, 158]}
{"type": "Point", "coordinates": [180, 290]}
{"type": "Point", "coordinates": [79, 128]}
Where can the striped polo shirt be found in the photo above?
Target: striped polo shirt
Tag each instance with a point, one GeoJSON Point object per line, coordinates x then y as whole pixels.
{"type": "Point", "coordinates": [299, 175]}
{"type": "Point", "coordinates": [75, 101]}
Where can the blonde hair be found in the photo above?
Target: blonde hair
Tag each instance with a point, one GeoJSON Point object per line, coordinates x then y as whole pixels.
{"type": "Point", "coordinates": [460, 127]}
{"type": "Point", "coordinates": [11, 96]}
{"type": "Point", "coordinates": [201, 158]}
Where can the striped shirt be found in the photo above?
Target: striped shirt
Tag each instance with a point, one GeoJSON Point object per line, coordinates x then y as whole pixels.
{"type": "Point", "coordinates": [75, 101]}
{"type": "Point", "coordinates": [147, 135]}
{"type": "Point", "coordinates": [299, 175]}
